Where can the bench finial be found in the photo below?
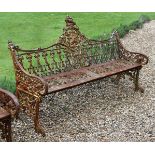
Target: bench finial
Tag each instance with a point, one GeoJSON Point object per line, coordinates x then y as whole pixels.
{"type": "Point", "coordinates": [70, 23]}
{"type": "Point", "coordinates": [71, 36]}
{"type": "Point", "coordinates": [12, 46]}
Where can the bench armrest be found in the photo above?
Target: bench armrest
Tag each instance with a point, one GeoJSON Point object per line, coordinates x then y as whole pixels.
{"type": "Point", "coordinates": [131, 56]}
{"type": "Point", "coordinates": [30, 83]}
{"type": "Point", "coordinates": [9, 102]}
{"type": "Point", "coordinates": [24, 80]}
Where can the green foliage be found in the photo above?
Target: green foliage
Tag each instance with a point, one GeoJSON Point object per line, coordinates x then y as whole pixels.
{"type": "Point", "coordinates": [135, 25]}
{"type": "Point", "coordinates": [124, 29]}
{"type": "Point", "coordinates": [8, 84]}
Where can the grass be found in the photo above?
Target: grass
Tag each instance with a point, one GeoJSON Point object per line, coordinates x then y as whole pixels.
{"type": "Point", "coordinates": [32, 30]}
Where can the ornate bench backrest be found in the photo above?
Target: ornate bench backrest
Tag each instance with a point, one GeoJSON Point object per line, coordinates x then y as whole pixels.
{"type": "Point", "coordinates": [93, 51]}
{"type": "Point", "coordinates": [42, 62]}
{"type": "Point", "coordinates": [72, 51]}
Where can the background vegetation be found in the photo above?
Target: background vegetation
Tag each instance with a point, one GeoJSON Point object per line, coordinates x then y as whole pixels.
{"type": "Point", "coordinates": [32, 30]}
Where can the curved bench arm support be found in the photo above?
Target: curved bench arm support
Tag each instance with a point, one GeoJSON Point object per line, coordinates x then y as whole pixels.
{"type": "Point", "coordinates": [132, 56]}
{"type": "Point", "coordinates": [24, 80]}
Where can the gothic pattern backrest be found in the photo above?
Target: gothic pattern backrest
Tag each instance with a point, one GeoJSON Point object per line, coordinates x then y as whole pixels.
{"type": "Point", "coordinates": [100, 51]}
{"type": "Point", "coordinates": [90, 51]}
{"type": "Point", "coordinates": [47, 61]}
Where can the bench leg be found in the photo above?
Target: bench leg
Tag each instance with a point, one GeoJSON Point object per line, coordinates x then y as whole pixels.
{"type": "Point", "coordinates": [30, 103]}
{"type": "Point", "coordinates": [136, 82]}
{"type": "Point", "coordinates": [134, 76]}
{"type": "Point", "coordinates": [38, 127]}
{"type": "Point", "coordinates": [8, 130]}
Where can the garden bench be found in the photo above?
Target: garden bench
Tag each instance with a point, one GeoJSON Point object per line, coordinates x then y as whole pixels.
{"type": "Point", "coordinates": [72, 61]}
{"type": "Point", "coordinates": [9, 107]}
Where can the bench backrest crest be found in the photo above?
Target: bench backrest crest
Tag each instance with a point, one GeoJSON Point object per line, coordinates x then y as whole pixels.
{"type": "Point", "coordinates": [71, 36]}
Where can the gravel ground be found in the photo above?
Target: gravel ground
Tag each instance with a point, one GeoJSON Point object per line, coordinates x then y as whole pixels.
{"type": "Point", "coordinates": [101, 111]}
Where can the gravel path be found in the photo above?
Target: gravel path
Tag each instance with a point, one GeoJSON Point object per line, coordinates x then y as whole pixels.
{"type": "Point", "coordinates": [101, 111]}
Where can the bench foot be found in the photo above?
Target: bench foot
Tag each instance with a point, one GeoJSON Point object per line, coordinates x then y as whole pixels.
{"type": "Point", "coordinates": [139, 89]}
{"type": "Point", "coordinates": [39, 129]}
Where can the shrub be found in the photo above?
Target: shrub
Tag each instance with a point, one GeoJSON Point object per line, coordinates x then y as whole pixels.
{"type": "Point", "coordinates": [122, 30]}
{"type": "Point", "coordinates": [135, 25]}
{"type": "Point", "coordinates": [144, 19]}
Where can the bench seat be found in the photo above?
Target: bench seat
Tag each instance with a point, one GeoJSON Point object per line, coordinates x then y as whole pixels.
{"type": "Point", "coordinates": [83, 75]}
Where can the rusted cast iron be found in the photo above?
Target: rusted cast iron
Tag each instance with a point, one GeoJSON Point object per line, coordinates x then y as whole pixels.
{"type": "Point", "coordinates": [72, 61]}
{"type": "Point", "coordinates": [9, 107]}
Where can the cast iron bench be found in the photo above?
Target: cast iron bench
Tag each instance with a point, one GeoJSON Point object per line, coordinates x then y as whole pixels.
{"type": "Point", "coordinates": [72, 61]}
{"type": "Point", "coordinates": [9, 107]}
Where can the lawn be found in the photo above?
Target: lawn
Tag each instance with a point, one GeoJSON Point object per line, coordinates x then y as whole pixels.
{"type": "Point", "coordinates": [32, 30]}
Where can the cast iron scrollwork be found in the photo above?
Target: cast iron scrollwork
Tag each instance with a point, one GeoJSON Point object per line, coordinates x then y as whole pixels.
{"type": "Point", "coordinates": [132, 56]}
